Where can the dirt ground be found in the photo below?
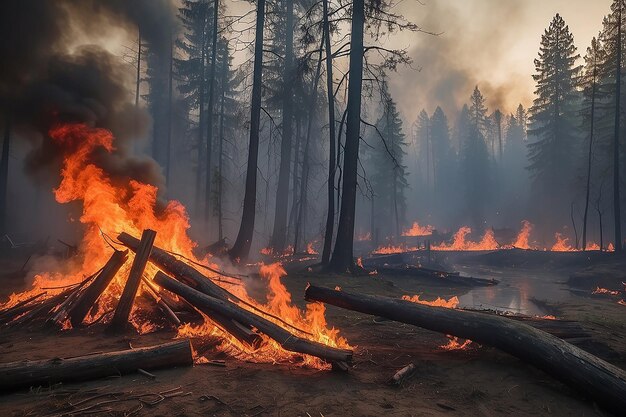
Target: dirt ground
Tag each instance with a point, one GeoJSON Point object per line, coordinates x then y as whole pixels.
{"type": "Point", "coordinates": [479, 381]}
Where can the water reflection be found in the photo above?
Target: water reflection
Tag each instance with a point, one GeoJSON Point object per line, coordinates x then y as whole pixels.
{"type": "Point", "coordinates": [515, 290]}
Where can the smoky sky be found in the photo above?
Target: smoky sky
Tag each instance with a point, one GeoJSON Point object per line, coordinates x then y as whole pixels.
{"type": "Point", "coordinates": [48, 76]}
{"type": "Point", "coordinates": [489, 43]}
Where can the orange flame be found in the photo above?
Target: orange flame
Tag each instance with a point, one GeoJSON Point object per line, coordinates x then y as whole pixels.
{"type": "Point", "coordinates": [459, 242]}
{"type": "Point", "coordinates": [561, 244]}
{"type": "Point", "coordinates": [417, 230]}
{"type": "Point", "coordinates": [117, 204]}
{"type": "Point", "coordinates": [455, 344]}
{"type": "Point", "coordinates": [310, 249]}
{"type": "Point", "coordinates": [453, 302]}
{"type": "Point", "coordinates": [523, 238]}
{"type": "Point", "coordinates": [391, 249]}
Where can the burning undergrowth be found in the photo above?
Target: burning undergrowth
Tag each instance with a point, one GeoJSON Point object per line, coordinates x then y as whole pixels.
{"type": "Point", "coordinates": [112, 204]}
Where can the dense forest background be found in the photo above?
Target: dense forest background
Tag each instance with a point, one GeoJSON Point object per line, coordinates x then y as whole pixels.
{"type": "Point", "coordinates": [302, 141]}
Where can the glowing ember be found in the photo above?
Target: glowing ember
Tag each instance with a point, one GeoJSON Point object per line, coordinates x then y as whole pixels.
{"type": "Point", "coordinates": [622, 302]}
{"type": "Point", "coordinates": [459, 242]}
{"type": "Point", "coordinates": [364, 237]}
{"type": "Point", "coordinates": [113, 205]}
{"type": "Point", "coordinates": [439, 302]}
{"type": "Point", "coordinates": [310, 250]}
{"type": "Point", "coordinates": [455, 344]}
{"type": "Point", "coordinates": [547, 317]}
{"type": "Point", "coordinates": [606, 291]}
{"type": "Point", "coordinates": [359, 262]}
{"type": "Point", "coordinates": [417, 230]}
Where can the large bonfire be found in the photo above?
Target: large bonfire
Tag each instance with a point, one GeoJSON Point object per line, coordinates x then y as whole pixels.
{"type": "Point", "coordinates": [111, 206]}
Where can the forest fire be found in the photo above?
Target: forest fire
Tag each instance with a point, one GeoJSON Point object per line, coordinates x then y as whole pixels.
{"type": "Point", "coordinates": [417, 230]}
{"type": "Point", "coordinates": [390, 249]}
{"type": "Point", "coordinates": [460, 243]}
{"type": "Point", "coordinates": [113, 205]}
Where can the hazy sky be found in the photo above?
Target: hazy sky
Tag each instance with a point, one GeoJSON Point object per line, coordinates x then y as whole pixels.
{"type": "Point", "coordinates": [492, 43]}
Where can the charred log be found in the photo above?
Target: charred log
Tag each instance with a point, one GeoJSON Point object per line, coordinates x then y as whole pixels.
{"type": "Point", "coordinates": [86, 301]}
{"type": "Point", "coordinates": [29, 373]}
{"type": "Point", "coordinates": [287, 340]}
{"type": "Point", "coordinates": [601, 381]}
{"type": "Point", "coordinates": [195, 279]}
{"type": "Point", "coordinates": [125, 304]}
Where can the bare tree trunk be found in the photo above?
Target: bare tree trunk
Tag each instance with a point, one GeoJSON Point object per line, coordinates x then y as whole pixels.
{"type": "Point", "coordinates": [343, 259]}
{"type": "Point", "coordinates": [279, 232]}
{"type": "Point", "coordinates": [137, 86]}
{"type": "Point", "coordinates": [571, 213]}
{"type": "Point", "coordinates": [201, 122]}
{"type": "Point", "coordinates": [304, 181]}
{"type": "Point", "coordinates": [4, 173]}
{"type": "Point", "coordinates": [209, 129]}
{"type": "Point", "coordinates": [220, 165]}
{"type": "Point", "coordinates": [330, 214]}
{"type": "Point", "coordinates": [241, 248]}
{"type": "Point", "coordinates": [616, 138]}
{"type": "Point", "coordinates": [590, 152]}
{"type": "Point", "coordinates": [295, 195]}
{"type": "Point", "coordinates": [168, 151]}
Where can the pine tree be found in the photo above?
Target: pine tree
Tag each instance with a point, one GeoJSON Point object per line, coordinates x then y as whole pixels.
{"type": "Point", "coordinates": [424, 147]}
{"type": "Point", "coordinates": [475, 162]}
{"type": "Point", "coordinates": [613, 37]}
{"type": "Point", "coordinates": [389, 179]}
{"type": "Point", "coordinates": [589, 82]}
{"type": "Point", "coordinates": [553, 114]}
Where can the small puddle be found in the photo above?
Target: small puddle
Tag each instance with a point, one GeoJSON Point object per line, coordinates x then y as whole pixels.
{"type": "Point", "coordinates": [514, 291]}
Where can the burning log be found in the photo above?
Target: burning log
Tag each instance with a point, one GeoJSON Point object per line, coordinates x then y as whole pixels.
{"type": "Point", "coordinates": [48, 371]}
{"type": "Point", "coordinates": [603, 382]}
{"type": "Point", "coordinates": [86, 301]}
{"type": "Point", "coordinates": [195, 279]}
{"type": "Point", "coordinates": [437, 276]}
{"type": "Point", "coordinates": [19, 308]}
{"type": "Point", "coordinates": [287, 340]}
{"type": "Point", "coordinates": [185, 273]}
{"type": "Point", "coordinates": [122, 311]}
{"type": "Point", "coordinates": [162, 305]}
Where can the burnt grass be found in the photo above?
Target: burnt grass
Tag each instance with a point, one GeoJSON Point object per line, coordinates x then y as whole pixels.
{"type": "Point", "coordinates": [478, 381]}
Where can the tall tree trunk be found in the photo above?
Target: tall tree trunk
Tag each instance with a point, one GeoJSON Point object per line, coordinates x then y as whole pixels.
{"type": "Point", "coordinates": [294, 179]}
{"type": "Point", "coordinates": [589, 153]}
{"type": "Point", "coordinates": [201, 122]}
{"type": "Point", "coordinates": [209, 129]}
{"type": "Point", "coordinates": [4, 173]}
{"type": "Point", "coordinates": [342, 258]}
{"type": "Point", "coordinates": [279, 233]}
{"type": "Point", "coordinates": [330, 214]}
{"type": "Point", "coordinates": [499, 123]}
{"type": "Point", "coordinates": [137, 86]}
{"type": "Point", "coordinates": [616, 138]}
{"type": "Point", "coordinates": [241, 248]}
{"type": "Point", "coordinates": [220, 165]}
{"type": "Point", "coordinates": [304, 180]}
{"type": "Point", "coordinates": [170, 109]}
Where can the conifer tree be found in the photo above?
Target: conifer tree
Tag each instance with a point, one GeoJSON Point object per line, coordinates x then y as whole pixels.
{"type": "Point", "coordinates": [553, 136]}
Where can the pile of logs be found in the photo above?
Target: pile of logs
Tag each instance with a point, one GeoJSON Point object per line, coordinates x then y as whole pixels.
{"type": "Point", "coordinates": [195, 291]}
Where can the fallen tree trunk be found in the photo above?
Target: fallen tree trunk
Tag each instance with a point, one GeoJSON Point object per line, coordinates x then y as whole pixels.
{"type": "Point", "coordinates": [86, 301]}
{"type": "Point", "coordinates": [286, 339]}
{"type": "Point", "coordinates": [195, 279]}
{"type": "Point", "coordinates": [29, 373]}
{"type": "Point", "coordinates": [603, 382]}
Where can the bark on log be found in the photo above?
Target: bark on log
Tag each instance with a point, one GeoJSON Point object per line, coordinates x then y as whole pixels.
{"type": "Point", "coordinates": [286, 339]}
{"type": "Point", "coordinates": [185, 273]}
{"type": "Point", "coordinates": [195, 279]}
{"type": "Point", "coordinates": [161, 305]}
{"type": "Point", "coordinates": [96, 288]}
{"type": "Point", "coordinates": [29, 373]}
{"type": "Point", "coordinates": [125, 304]}
{"type": "Point", "coordinates": [601, 381]}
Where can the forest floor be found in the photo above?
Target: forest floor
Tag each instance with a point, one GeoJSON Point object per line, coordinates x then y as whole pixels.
{"type": "Point", "coordinates": [478, 381]}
